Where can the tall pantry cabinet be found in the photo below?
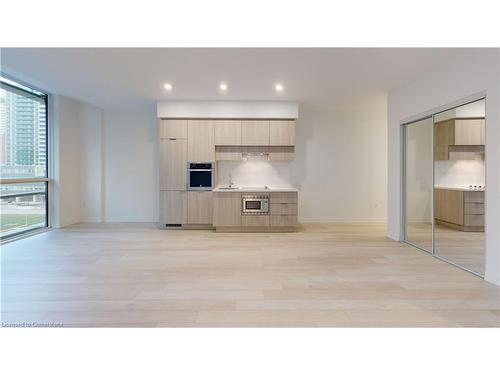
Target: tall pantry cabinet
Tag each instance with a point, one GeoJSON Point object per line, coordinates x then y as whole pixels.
{"type": "Point", "coordinates": [173, 175]}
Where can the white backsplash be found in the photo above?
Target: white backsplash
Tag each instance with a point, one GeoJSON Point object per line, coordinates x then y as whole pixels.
{"type": "Point", "coordinates": [253, 173]}
{"type": "Point", "coordinates": [454, 173]}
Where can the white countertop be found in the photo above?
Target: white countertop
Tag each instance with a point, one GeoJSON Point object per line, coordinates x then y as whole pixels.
{"type": "Point", "coordinates": [244, 189]}
{"type": "Point", "coordinates": [458, 188]}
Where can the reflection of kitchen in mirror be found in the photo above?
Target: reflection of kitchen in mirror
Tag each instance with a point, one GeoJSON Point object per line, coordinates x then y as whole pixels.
{"type": "Point", "coordinates": [459, 185]}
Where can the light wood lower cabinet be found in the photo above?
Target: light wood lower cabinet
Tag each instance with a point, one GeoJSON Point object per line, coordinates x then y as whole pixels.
{"type": "Point", "coordinates": [255, 220]}
{"type": "Point", "coordinates": [173, 207]}
{"type": "Point", "coordinates": [283, 208]}
{"type": "Point", "coordinates": [227, 209]}
{"type": "Point", "coordinates": [462, 210]}
{"type": "Point", "coordinates": [200, 207]}
{"type": "Point", "coordinates": [283, 220]}
{"type": "Point", "coordinates": [282, 215]}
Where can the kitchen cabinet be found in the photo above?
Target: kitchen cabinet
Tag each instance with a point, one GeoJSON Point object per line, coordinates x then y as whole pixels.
{"type": "Point", "coordinates": [469, 132]}
{"type": "Point", "coordinates": [255, 132]}
{"type": "Point", "coordinates": [199, 207]}
{"type": "Point", "coordinates": [227, 209]}
{"type": "Point", "coordinates": [444, 136]}
{"type": "Point", "coordinates": [281, 153]}
{"type": "Point", "coordinates": [462, 210]}
{"type": "Point", "coordinates": [255, 220]}
{"type": "Point", "coordinates": [282, 132]}
{"type": "Point", "coordinates": [173, 164]}
{"type": "Point", "coordinates": [201, 142]}
{"type": "Point", "coordinates": [173, 129]}
{"type": "Point", "coordinates": [173, 207]}
{"type": "Point", "coordinates": [228, 153]}
{"type": "Point", "coordinates": [459, 139]}
{"type": "Point", "coordinates": [227, 132]}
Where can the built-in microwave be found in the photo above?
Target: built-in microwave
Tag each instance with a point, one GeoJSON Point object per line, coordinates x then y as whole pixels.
{"type": "Point", "coordinates": [255, 204]}
{"type": "Point", "coordinates": [200, 176]}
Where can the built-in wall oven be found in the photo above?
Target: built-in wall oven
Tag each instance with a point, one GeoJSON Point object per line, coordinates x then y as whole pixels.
{"type": "Point", "coordinates": [200, 176]}
{"type": "Point", "coordinates": [255, 204]}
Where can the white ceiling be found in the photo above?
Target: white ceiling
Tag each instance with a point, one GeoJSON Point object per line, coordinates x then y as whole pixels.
{"type": "Point", "coordinates": [134, 77]}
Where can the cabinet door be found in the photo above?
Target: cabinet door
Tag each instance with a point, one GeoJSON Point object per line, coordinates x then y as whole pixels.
{"type": "Point", "coordinates": [200, 204]}
{"type": "Point", "coordinates": [173, 164]}
{"type": "Point", "coordinates": [173, 129]}
{"type": "Point", "coordinates": [281, 153]}
{"type": "Point", "coordinates": [227, 132]}
{"type": "Point", "coordinates": [227, 210]}
{"type": "Point", "coordinates": [282, 133]}
{"type": "Point", "coordinates": [255, 133]}
{"type": "Point", "coordinates": [449, 206]}
{"type": "Point", "coordinates": [444, 136]}
{"type": "Point", "coordinates": [469, 132]}
{"type": "Point", "coordinates": [228, 153]}
{"type": "Point", "coordinates": [201, 144]}
{"type": "Point", "coordinates": [173, 207]}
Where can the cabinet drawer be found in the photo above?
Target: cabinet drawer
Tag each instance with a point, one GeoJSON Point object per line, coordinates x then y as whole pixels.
{"type": "Point", "coordinates": [474, 208]}
{"type": "Point", "coordinates": [284, 197]}
{"type": "Point", "coordinates": [474, 220]}
{"type": "Point", "coordinates": [284, 221]}
{"type": "Point", "coordinates": [283, 208]}
{"type": "Point", "coordinates": [474, 196]}
{"type": "Point", "coordinates": [255, 220]}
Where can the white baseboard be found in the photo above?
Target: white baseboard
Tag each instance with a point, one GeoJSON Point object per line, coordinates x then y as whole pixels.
{"type": "Point", "coordinates": [130, 219]}
{"type": "Point", "coordinates": [327, 220]}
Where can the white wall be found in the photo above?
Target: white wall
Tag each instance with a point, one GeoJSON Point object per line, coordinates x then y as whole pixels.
{"type": "Point", "coordinates": [340, 162]}
{"type": "Point", "coordinates": [91, 169]}
{"type": "Point", "coordinates": [65, 189]}
{"type": "Point", "coordinates": [449, 84]}
{"type": "Point", "coordinates": [75, 168]}
{"type": "Point", "coordinates": [131, 166]}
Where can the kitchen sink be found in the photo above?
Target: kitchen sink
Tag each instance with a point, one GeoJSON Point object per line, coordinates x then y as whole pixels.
{"type": "Point", "coordinates": [228, 188]}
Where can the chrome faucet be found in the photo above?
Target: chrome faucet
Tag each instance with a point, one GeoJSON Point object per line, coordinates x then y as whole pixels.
{"type": "Point", "coordinates": [230, 181]}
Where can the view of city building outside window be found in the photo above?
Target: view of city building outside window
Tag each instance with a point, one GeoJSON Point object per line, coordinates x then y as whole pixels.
{"type": "Point", "coordinates": [23, 155]}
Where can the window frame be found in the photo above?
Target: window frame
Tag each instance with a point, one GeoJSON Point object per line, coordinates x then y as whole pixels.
{"type": "Point", "coordinates": [20, 86]}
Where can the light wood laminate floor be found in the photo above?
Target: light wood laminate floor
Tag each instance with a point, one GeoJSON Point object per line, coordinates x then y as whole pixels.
{"type": "Point", "coordinates": [135, 275]}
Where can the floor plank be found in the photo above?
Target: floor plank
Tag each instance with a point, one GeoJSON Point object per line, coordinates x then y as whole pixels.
{"type": "Point", "coordinates": [325, 275]}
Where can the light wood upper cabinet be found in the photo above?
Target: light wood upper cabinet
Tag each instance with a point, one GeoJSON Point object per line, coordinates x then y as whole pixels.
{"type": "Point", "coordinates": [201, 143]}
{"type": "Point", "coordinates": [173, 164]}
{"type": "Point", "coordinates": [200, 207]}
{"type": "Point", "coordinates": [173, 129]}
{"type": "Point", "coordinates": [255, 132]}
{"type": "Point", "coordinates": [173, 207]}
{"type": "Point", "coordinates": [444, 136]}
{"type": "Point", "coordinates": [227, 132]}
{"type": "Point", "coordinates": [282, 132]}
{"type": "Point", "coordinates": [227, 209]}
{"type": "Point", "coordinates": [469, 132]}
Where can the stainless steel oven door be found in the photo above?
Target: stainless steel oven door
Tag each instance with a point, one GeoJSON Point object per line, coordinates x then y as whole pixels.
{"type": "Point", "coordinates": [200, 176]}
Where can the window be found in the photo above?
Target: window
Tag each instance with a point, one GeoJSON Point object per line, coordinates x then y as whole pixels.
{"type": "Point", "coordinates": [23, 159]}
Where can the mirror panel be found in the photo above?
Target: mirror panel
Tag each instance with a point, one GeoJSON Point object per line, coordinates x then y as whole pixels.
{"type": "Point", "coordinates": [459, 186]}
{"type": "Point", "coordinates": [418, 183]}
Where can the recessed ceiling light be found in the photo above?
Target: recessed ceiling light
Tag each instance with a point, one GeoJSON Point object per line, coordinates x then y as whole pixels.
{"type": "Point", "coordinates": [279, 87]}
{"type": "Point", "coordinates": [223, 86]}
{"type": "Point", "coordinates": [168, 86]}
